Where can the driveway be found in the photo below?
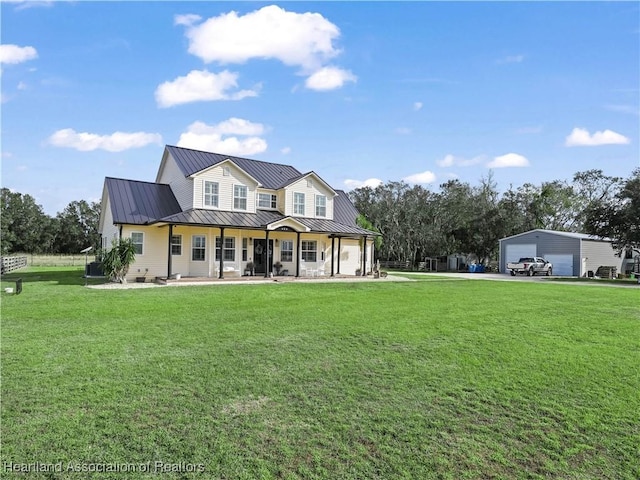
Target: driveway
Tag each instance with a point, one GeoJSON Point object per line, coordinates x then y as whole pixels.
{"type": "Point", "coordinates": [505, 277]}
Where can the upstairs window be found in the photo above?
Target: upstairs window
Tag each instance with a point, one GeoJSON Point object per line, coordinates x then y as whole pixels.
{"type": "Point", "coordinates": [239, 197]}
{"type": "Point", "coordinates": [298, 203]}
{"type": "Point", "coordinates": [321, 206]}
{"type": "Point", "coordinates": [137, 238]}
{"type": "Point", "coordinates": [267, 200]}
{"type": "Point", "coordinates": [211, 194]}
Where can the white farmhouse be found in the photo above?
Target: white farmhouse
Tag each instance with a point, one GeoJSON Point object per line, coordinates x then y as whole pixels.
{"type": "Point", "coordinates": [211, 215]}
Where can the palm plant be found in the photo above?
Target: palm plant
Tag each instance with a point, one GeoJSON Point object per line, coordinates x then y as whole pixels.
{"type": "Point", "coordinates": [116, 261]}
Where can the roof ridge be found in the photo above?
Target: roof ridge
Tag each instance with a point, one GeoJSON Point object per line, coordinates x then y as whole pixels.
{"type": "Point", "coordinates": [136, 181]}
{"type": "Point", "coordinates": [234, 156]}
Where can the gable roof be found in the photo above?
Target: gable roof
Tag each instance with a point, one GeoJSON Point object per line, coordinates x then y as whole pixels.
{"type": "Point", "coordinates": [343, 210]}
{"type": "Point", "coordinates": [270, 175]}
{"type": "Point", "coordinates": [579, 236]}
{"type": "Point", "coordinates": [289, 181]}
{"type": "Point", "coordinates": [139, 203]}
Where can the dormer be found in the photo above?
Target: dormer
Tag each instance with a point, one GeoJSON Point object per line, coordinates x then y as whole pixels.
{"type": "Point", "coordinates": [308, 196]}
{"type": "Point", "coordinates": [225, 186]}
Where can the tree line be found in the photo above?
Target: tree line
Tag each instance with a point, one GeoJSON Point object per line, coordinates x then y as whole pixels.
{"type": "Point", "coordinates": [25, 228]}
{"type": "Point", "coordinates": [417, 223]}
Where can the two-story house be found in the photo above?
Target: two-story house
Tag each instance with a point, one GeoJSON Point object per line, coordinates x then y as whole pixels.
{"type": "Point", "coordinates": [209, 215]}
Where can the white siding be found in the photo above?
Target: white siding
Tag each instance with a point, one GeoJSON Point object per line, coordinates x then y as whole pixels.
{"type": "Point", "coordinates": [181, 186]}
{"type": "Point", "coordinates": [108, 230]}
{"type": "Point", "coordinates": [225, 187]}
{"type": "Point", "coordinates": [153, 260]}
{"type": "Point", "coordinates": [310, 192]}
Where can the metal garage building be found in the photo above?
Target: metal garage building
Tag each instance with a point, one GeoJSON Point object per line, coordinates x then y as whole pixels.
{"type": "Point", "coordinates": [572, 254]}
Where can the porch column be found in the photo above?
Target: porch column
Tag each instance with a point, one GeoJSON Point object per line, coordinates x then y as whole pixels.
{"type": "Point", "coordinates": [339, 252]}
{"type": "Point", "coordinates": [169, 258]}
{"type": "Point", "coordinates": [266, 267]}
{"type": "Point", "coordinates": [333, 244]}
{"type": "Point", "coordinates": [364, 257]}
{"type": "Point", "coordinates": [221, 266]}
{"type": "Point", "coordinates": [298, 254]}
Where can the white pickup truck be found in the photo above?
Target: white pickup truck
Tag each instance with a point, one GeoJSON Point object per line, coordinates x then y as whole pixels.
{"type": "Point", "coordinates": [530, 266]}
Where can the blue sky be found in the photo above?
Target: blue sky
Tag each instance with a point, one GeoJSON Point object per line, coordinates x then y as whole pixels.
{"type": "Point", "coordinates": [359, 92]}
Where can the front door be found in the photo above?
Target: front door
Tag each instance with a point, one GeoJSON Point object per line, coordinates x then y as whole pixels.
{"type": "Point", "coordinates": [262, 257]}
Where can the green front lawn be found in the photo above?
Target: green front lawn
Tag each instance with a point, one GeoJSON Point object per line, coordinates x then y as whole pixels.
{"type": "Point", "coordinates": [426, 379]}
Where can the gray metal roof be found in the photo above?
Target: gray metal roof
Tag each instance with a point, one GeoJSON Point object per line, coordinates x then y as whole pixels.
{"type": "Point", "coordinates": [220, 218]}
{"type": "Point", "coordinates": [343, 210]}
{"type": "Point", "coordinates": [258, 221]}
{"type": "Point", "coordinates": [270, 175]}
{"type": "Point", "coordinates": [580, 236]}
{"type": "Point", "coordinates": [140, 203]}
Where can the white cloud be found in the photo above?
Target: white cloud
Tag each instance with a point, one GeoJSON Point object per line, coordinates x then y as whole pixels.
{"type": "Point", "coordinates": [22, 86]}
{"type": "Point", "coordinates": [417, 106]}
{"type": "Point", "coordinates": [580, 137]}
{"type": "Point", "coordinates": [295, 39]}
{"type": "Point", "coordinates": [329, 78]}
{"type": "Point", "coordinates": [116, 142]}
{"type": "Point", "coordinates": [285, 150]}
{"type": "Point", "coordinates": [13, 54]}
{"type": "Point", "coordinates": [629, 109]}
{"type": "Point", "coordinates": [424, 177]}
{"type": "Point", "coordinates": [511, 59]}
{"type": "Point", "coordinates": [186, 20]}
{"type": "Point", "coordinates": [369, 182]}
{"type": "Point", "coordinates": [529, 130]}
{"type": "Point", "coordinates": [223, 137]}
{"type": "Point", "coordinates": [508, 160]}
{"type": "Point", "coordinates": [453, 161]}
{"type": "Point", "coordinates": [201, 85]}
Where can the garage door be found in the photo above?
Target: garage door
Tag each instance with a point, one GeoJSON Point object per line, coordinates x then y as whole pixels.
{"type": "Point", "coordinates": [516, 252]}
{"type": "Point", "coordinates": [562, 264]}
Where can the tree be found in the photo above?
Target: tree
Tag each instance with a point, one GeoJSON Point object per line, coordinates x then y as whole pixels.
{"type": "Point", "coordinates": [78, 227]}
{"type": "Point", "coordinates": [618, 218]}
{"type": "Point", "coordinates": [116, 261]}
{"type": "Point", "coordinates": [24, 225]}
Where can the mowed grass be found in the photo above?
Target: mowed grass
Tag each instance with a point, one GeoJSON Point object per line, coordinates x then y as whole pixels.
{"type": "Point", "coordinates": [425, 379]}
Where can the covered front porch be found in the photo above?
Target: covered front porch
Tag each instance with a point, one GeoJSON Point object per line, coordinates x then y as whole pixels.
{"type": "Point", "coordinates": [280, 249]}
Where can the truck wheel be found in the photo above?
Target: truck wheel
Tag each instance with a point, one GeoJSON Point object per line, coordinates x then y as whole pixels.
{"type": "Point", "coordinates": [513, 273]}
{"type": "Point", "coordinates": [549, 273]}
{"type": "Point", "coordinates": [531, 273]}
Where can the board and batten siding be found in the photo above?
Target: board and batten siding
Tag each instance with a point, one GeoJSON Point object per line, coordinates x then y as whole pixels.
{"type": "Point", "coordinates": [181, 186]}
{"type": "Point", "coordinates": [310, 192]}
{"type": "Point", "coordinates": [225, 187]}
{"type": "Point", "coordinates": [599, 253]}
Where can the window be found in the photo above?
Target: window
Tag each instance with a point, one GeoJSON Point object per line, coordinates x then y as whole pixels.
{"type": "Point", "coordinates": [211, 194]}
{"type": "Point", "coordinates": [244, 249]}
{"type": "Point", "coordinates": [229, 249]}
{"type": "Point", "coordinates": [308, 250]}
{"type": "Point", "coordinates": [267, 200]}
{"type": "Point", "coordinates": [198, 248]}
{"type": "Point", "coordinates": [321, 206]}
{"type": "Point", "coordinates": [137, 239]}
{"type": "Point", "coordinates": [239, 197]}
{"type": "Point", "coordinates": [298, 203]}
{"type": "Point", "coordinates": [286, 251]}
{"type": "Point", "coordinates": [176, 244]}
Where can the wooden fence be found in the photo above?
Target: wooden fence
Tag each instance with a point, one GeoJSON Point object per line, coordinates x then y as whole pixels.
{"type": "Point", "coordinates": [8, 264]}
